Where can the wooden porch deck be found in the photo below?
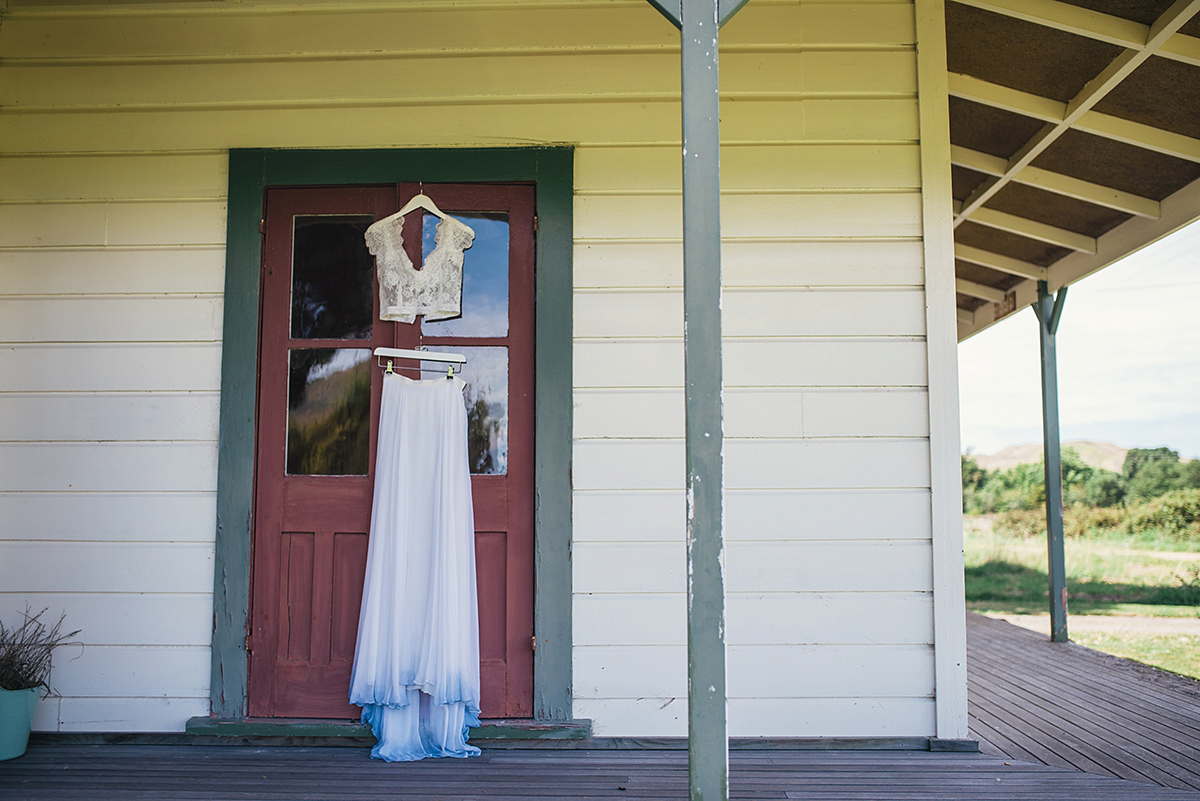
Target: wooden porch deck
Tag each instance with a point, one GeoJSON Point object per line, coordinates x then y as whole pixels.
{"type": "Point", "coordinates": [1055, 721]}
{"type": "Point", "coordinates": [247, 773]}
{"type": "Point", "coordinates": [1068, 706]}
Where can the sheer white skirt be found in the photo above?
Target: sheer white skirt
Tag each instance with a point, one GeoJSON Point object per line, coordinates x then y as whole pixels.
{"type": "Point", "coordinates": [416, 662]}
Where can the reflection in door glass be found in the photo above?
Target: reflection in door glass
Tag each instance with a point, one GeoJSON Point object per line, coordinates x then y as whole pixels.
{"type": "Point", "coordinates": [329, 411]}
{"type": "Point", "coordinates": [332, 273]}
{"type": "Point", "coordinates": [486, 374]}
{"type": "Point", "coordinates": [485, 278]}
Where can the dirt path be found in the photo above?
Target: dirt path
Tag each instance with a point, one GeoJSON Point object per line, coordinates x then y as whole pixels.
{"type": "Point", "coordinates": [1109, 623]}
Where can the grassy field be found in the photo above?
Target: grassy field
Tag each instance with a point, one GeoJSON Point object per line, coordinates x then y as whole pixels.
{"type": "Point", "coordinates": [1178, 653]}
{"type": "Point", "coordinates": [1105, 576]}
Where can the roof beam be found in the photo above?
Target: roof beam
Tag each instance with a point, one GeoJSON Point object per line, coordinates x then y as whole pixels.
{"type": "Point", "coordinates": [1057, 114]}
{"type": "Point", "coordinates": [965, 316]}
{"type": "Point", "coordinates": [1178, 210]}
{"type": "Point", "coordinates": [1057, 183]}
{"type": "Point", "coordinates": [1061, 117]}
{"type": "Point", "coordinates": [977, 160]}
{"type": "Point", "coordinates": [1089, 192]}
{"type": "Point", "coordinates": [996, 261]}
{"type": "Point", "coordinates": [1069, 18]}
{"type": "Point", "coordinates": [1032, 229]}
{"type": "Point", "coordinates": [1006, 99]}
{"type": "Point", "coordinates": [1182, 47]}
{"type": "Point", "coordinates": [1139, 135]}
{"type": "Point", "coordinates": [1092, 24]}
{"type": "Point", "coordinates": [977, 290]}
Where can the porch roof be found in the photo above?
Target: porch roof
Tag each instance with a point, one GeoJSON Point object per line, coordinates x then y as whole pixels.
{"type": "Point", "coordinates": [1075, 133]}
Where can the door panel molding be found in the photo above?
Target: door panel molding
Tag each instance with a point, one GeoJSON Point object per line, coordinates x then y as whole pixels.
{"type": "Point", "coordinates": [251, 171]}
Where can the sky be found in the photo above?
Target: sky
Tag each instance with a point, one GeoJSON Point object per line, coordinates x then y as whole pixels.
{"type": "Point", "coordinates": [1128, 359]}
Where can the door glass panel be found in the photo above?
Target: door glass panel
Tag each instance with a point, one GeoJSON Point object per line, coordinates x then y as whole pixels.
{"type": "Point", "coordinates": [485, 278]}
{"type": "Point", "coordinates": [332, 273]}
{"type": "Point", "coordinates": [329, 411]}
{"type": "Point", "coordinates": [486, 374]}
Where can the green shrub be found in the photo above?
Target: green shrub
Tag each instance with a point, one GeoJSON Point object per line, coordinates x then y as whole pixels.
{"type": "Point", "coordinates": [1175, 514]}
{"type": "Point", "coordinates": [1078, 521]}
{"type": "Point", "coordinates": [1021, 523]}
{"type": "Point", "coordinates": [1104, 488]}
{"type": "Point", "coordinates": [1083, 521]}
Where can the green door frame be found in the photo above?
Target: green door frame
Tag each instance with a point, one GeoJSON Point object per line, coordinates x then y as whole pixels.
{"type": "Point", "coordinates": [250, 172]}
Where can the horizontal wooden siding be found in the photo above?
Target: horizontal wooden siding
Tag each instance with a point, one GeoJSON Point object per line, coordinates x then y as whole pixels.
{"type": "Point", "coordinates": [113, 135]}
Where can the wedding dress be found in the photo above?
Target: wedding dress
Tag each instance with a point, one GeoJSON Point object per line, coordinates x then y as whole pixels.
{"type": "Point", "coordinates": [416, 661]}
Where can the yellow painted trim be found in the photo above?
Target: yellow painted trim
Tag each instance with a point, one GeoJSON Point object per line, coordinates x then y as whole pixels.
{"type": "Point", "coordinates": [941, 337]}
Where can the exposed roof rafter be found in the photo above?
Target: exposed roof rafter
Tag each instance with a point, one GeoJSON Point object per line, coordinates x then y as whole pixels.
{"type": "Point", "coordinates": [1057, 183]}
{"type": "Point", "coordinates": [1178, 210]}
{"type": "Point", "coordinates": [1150, 128]}
{"type": "Point", "coordinates": [1023, 226]}
{"type": "Point", "coordinates": [1146, 136]}
{"type": "Point", "coordinates": [1060, 117]}
{"type": "Point", "coordinates": [1056, 114]}
{"type": "Point", "coordinates": [1092, 193]}
{"type": "Point", "coordinates": [1092, 24]}
{"type": "Point", "coordinates": [977, 290]}
{"type": "Point", "coordinates": [996, 261]}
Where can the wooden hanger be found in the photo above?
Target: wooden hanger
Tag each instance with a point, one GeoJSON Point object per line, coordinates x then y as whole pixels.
{"type": "Point", "coordinates": [424, 355]}
{"type": "Point", "coordinates": [420, 201]}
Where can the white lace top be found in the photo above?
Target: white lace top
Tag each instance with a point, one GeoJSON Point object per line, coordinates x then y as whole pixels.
{"type": "Point", "coordinates": [435, 290]}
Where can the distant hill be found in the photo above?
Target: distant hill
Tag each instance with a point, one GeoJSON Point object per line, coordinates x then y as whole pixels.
{"type": "Point", "coordinates": [1097, 454]}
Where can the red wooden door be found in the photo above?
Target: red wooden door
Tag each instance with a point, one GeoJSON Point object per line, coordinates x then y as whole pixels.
{"type": "Point", "coordinates": [318, 411]}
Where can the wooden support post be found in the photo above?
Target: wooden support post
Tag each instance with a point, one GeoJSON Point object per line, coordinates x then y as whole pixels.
{"type": "Point", "coordinates": [1049, 310]}
{"type": "Point", "coordinates": [708, 743]}
{"type": "Point", "coordinates": [708, 750]}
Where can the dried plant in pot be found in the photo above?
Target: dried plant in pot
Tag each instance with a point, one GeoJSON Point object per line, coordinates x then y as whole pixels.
{"type": "Point", "coordinates": [26, 651]}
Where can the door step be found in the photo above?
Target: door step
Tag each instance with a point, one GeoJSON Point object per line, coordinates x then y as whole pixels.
{"type": "Point", "coordinates": [354, 733]}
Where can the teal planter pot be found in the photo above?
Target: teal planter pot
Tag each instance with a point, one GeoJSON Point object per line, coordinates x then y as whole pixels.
{"type": "Point", "coordinates": [16, 717]}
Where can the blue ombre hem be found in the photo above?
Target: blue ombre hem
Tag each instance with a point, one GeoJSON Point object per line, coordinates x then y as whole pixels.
{"type": "Point", "coordinates": [421, 729]}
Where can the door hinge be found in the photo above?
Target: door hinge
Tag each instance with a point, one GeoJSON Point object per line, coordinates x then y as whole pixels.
{"type": "Point", "coordinates": [249, 643]}
{"type": "Point", "coordinates": [262, 226]}
{"type": "Point", "coordinates": [533, 642]}
{"type": "Point", "coordinates": [535, 223]}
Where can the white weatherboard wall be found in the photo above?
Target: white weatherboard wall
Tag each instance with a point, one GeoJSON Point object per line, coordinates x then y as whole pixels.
{"type": "Point", "coordinates": [113, 176]}
{"type": "Point", "coordinates": [111, 269]}
{"type": "Point", "coordinates": [829, 564]}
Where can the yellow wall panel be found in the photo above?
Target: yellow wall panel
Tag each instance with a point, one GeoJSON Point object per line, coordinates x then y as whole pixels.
{"type": "Point", "coordinates": [185, 222]}
{"type": "Point", "coordinates": [482, 125]}
{"type": "Point", "coordinates": [612, 264]}
{"type": "Point", "coordinates": [293, 30]}
{"type": "Point", "coordinates": [141, 176]}
{"type": "Point", "coordinates": [105, 271]}
{"type": "Point", "coordinates": [247, 31]}
{"type": "Point", "coordinates": [773, 216]}
{"type": "Point", "coordinates": [752, 168]}
{"type": "Point", "coordinates": [494, 78]}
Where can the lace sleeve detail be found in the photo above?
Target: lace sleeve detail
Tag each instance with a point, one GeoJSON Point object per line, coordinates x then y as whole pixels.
{"type": "Point", "coordinates": [435, 290]}
{"type": "Point", "coordinates": [444, 267]}
{"type": "Point", "coordinates": [385, 240]}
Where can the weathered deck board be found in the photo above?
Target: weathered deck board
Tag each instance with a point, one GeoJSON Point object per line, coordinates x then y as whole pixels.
{"type": "Point", "coordinates": [1148, 722]}
{"type": "Point", "coordinates": [1130, 688]}
{"type": "Point", "coordinates": [1032, 702]}
{"type": "Point", "coordinates": [1068, 706]}
{"type": "Point", "coordinates": [1158, 746]}
{"type": "Point", "coordinates": [244, 773]}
